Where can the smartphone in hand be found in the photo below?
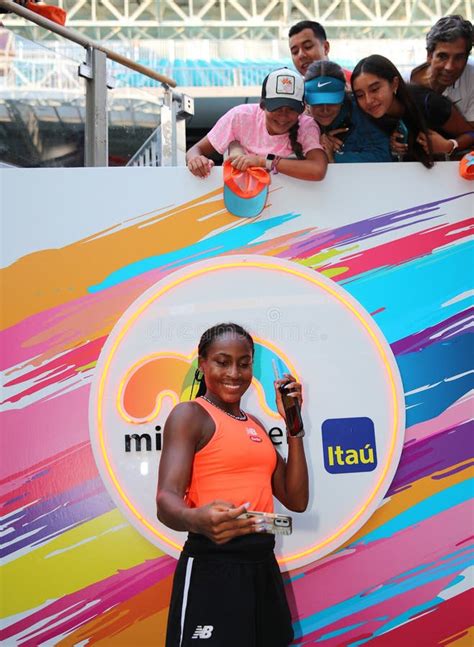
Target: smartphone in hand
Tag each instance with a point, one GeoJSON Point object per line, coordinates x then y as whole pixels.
{"type": "Point", "coordinates": [402, 129]}
{"type": "Point", "coordinates": [277, 524]}
{"type": "Point", "coordinates": [294, 421]}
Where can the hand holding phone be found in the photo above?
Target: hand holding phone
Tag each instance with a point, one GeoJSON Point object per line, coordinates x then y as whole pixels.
{"type": "Point", "coordinates": [277, 524]}
{"type": "Point", "coordinates": [402, 131]}
{"type": "Point", "coordinates": [294, 421]}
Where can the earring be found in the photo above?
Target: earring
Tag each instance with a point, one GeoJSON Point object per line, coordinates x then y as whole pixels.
{"type": "Point", "coordinates": [198, 375]}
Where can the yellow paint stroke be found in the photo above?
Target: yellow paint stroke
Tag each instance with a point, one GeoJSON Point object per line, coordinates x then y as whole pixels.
{"type": "Point", "coordinates": [86, 367]}
{"type": "Point", "coordinates": [49, 278]}
{"type": "Point", "coordinates": [106, 545]}
{"type": "Point", "coordinates": [321, 257]}
{"type": "Point", "coordinates": [334, 271]}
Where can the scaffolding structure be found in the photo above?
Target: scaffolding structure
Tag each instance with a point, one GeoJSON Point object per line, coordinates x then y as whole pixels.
{"type": "Point", "coordinates": [247, 19]}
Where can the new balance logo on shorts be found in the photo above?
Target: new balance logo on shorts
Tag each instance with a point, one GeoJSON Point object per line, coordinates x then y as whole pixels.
{"type": "Point", "coordinates": [203, 631]}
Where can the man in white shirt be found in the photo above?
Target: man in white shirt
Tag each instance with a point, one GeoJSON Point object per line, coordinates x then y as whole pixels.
{"type": "Point", "coordinates": [447, 70]}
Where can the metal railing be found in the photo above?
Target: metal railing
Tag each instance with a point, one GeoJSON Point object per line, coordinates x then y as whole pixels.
{"type": "Point", "coordinates": [149, 154]}
{"type": "Point", "coordinates": [255, 20]}
{"type": "Point", "coordinates": [175, 106]}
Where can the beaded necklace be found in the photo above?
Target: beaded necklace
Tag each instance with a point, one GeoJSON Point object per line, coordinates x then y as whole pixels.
{"type": "Point", "coordinates": [243, 416]}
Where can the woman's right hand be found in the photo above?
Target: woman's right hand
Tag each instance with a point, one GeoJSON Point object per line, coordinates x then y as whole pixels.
{"type": "Point", "coordinates": [397, 147]}
{"type": "Point", "coordinates": [243, 162]}
{"type": "Point", "coordinates": [200, 165]}
{"type": "Point", "coordinates": [219, 521]}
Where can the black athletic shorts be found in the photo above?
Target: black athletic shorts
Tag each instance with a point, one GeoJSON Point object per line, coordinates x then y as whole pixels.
{"type": "Point", "coordinates": [228, 596]}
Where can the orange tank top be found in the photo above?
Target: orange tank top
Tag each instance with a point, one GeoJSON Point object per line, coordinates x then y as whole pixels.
{"type": "Point", "coordinates": [236, 465]}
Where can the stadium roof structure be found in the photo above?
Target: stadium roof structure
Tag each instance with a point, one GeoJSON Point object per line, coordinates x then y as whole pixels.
{"type": "Point", "coordinates": [247, 19]}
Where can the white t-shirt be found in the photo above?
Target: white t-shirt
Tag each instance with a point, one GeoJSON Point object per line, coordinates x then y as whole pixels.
{"type": "Point", "coordinates": [462, 92]}
{"type": "Point", "coordinates": [246, 125]}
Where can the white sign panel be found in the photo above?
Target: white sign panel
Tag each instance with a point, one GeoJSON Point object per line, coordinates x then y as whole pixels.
{"type": "Point", "coordinates": [353, 399]}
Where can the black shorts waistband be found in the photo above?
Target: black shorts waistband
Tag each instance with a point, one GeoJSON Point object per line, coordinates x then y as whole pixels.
{"type": "Point", "coordinates": [248, 548]}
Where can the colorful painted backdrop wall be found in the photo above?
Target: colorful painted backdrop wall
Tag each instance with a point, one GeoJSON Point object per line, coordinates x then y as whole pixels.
{"type": "Point", "coordinates": [79, 245]}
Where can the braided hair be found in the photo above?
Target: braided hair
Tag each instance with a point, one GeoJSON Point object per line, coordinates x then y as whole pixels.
{"type": "Point", "coordinates": [207, 338]}
{"type": "Point", "coordinates": [295, 144]}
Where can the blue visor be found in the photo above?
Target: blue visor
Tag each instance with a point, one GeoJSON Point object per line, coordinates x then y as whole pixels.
{"type": "Point", "coordinates": [324, 89]}
{"type": "Point", "coordinates": [245, 207]}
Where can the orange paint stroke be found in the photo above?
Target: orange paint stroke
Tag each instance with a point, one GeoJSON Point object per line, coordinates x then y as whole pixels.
{"type": "Point", "coordinates": [147, 383]}
{"type": "Point", "coordinates": [462, 639]}
{"type": "Point", "coordinates": [49, 278]}
{"type": "Point", "coordinates": [140, 620]}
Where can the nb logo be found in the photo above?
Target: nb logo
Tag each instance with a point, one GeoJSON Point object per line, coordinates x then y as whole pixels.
{"type": "Point", "coordinates": [203, 631]}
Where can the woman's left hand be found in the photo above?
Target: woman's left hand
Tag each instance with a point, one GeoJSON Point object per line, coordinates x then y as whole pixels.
{"type": "Point", "coordinates": [293, 388]}
{"type": "Point", "coordinates": [328, 146]}
{"type": "Point", "coordinates": [333, 144]}
{"type": "Point", "coordinates": [243, 162]}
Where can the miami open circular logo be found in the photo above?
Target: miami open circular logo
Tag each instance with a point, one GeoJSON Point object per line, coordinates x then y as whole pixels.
{"type": "Point", "coordinates": [353, 398]}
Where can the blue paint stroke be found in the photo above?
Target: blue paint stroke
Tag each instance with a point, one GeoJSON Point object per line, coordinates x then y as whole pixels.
{"type": "Point", "coordinates": [409, 614]}
{"type": "Point", "coordinates": [411, 296]}
{"type": "Point", "coordinates": [217, 245]}
{"type": "Point", "coordinates": [340, 632]}
{"type": "Point", "coordinates": [357, 604]}
{"type": "Point", "coordinates": [444, 367]}
{"type": "Point", "coordinates": [445, 331]}
{"type": "Point", "coordinates": [430, 507]}
{"type": "Point", "coordinates": [399, 620]}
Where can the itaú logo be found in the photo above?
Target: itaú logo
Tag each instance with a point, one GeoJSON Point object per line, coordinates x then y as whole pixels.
{"type": "Point", "coordinates": [353, 400]}
{"type": "Point", "coordinates": [349, 445]}
{"type": "Point", "coordinates": [155, 378]}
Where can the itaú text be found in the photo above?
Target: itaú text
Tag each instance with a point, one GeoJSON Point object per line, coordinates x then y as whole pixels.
{"type": "Point", "coordinates": [337, 455]}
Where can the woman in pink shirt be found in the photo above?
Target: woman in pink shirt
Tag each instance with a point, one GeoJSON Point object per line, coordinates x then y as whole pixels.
{"type": "Point", "coordinates": [274, 134]}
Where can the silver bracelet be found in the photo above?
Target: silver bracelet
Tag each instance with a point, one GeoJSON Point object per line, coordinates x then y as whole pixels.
{"type": "Point", "coordinates": [300, 434]}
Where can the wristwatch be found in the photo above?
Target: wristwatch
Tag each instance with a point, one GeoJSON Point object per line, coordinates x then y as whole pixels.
{"type": "Point", "coordinates": [455, 146]}
{"type": "Point", "coordinates": [269, 161]}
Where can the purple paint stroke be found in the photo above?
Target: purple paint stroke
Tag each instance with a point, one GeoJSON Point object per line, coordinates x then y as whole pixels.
{"type": "Point", "coordinates": [368, 228]}
{"type": "Point", "coordinates": [435, 454]}
{"type": "Point", "coordinates": [108, 593]}
{"type": "Point", "coordinates": [51, 517]}
{"type": "Point", "coordinates": [444, 331]}
{"type": "Point", "coordinates": [16, 350]}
